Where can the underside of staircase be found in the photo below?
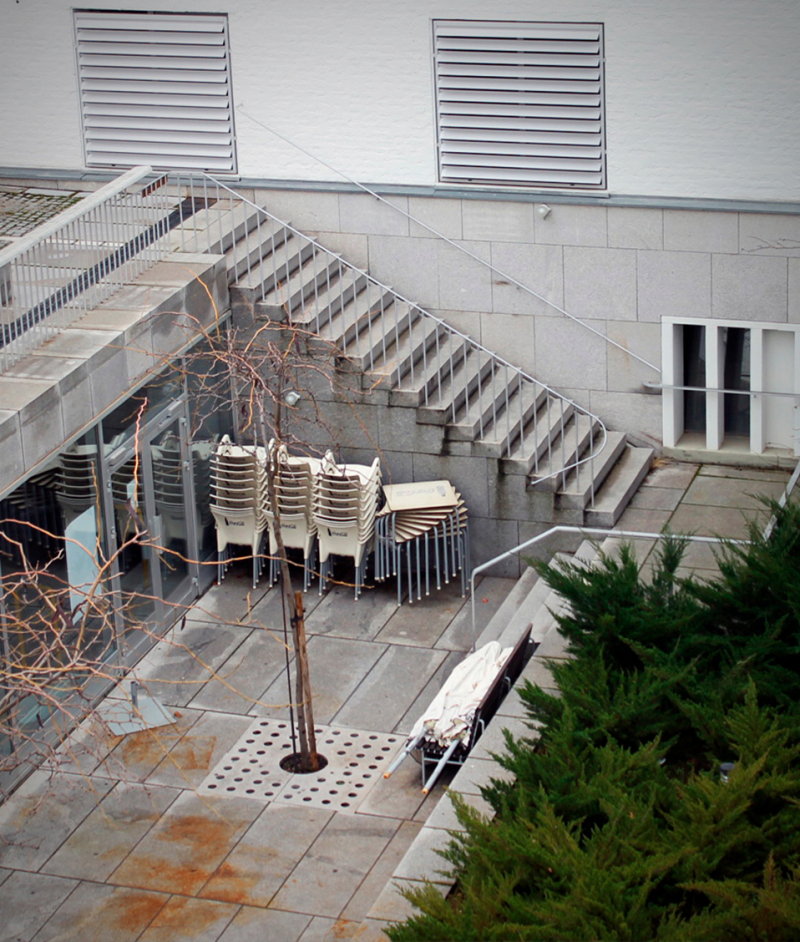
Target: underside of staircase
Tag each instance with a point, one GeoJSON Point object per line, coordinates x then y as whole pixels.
{"type": "Point", "coordinates": [561, 463]}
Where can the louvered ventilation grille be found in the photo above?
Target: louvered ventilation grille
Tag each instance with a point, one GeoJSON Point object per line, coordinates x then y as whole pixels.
{"type": "Point", "coordinates": [155, 89]}
{"type": "Point", "coordinates": [520, 103]}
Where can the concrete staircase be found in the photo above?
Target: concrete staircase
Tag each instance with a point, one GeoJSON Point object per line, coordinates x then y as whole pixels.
{"type": "Point", "coordinates": [475, 405]}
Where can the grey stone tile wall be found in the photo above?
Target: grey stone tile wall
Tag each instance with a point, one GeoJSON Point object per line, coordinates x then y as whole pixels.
{"type": "Point", "coordinates": [609, 266]}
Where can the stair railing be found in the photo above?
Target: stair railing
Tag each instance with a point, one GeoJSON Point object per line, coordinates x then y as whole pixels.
{"type": "Point", "coordinates": [272, 252]}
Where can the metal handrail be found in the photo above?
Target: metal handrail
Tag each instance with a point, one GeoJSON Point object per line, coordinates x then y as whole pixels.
{"type": "Point", "coordinates": [632, 534]}
{"type": "Point", "coordinates": [456, 245]}
{"type": "Point", "coordinates": [338, 283]}
{"type": "Point", "coordinates": [78, 259]}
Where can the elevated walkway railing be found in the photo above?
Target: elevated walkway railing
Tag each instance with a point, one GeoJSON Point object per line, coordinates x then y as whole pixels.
{"type": "Point", "coordinates": [80, 258]}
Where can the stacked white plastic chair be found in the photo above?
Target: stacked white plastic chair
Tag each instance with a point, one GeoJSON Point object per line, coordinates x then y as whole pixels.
{"type": "Point", "coordinates": [422, 526]}
{"type": "Point", "coordinates": [168, 489]}
{"type": "Point", "coordinates": [345, 504]}
{"type": "Point", "coordinates": [294, 490]}
{"type": "Point", "coordinates": [239, 500]}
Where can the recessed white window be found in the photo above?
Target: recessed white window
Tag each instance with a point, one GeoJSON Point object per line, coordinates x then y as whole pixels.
{"type": "Point", "coordinates": [731, 385]}
{"type": "Point", "coordinates": [520, 104]}
{"type": "Point", "coordinates": [155, 88]}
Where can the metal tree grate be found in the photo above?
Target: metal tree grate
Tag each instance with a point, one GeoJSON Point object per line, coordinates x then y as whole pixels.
{"type": "Point", "coordinates": [251, 769]}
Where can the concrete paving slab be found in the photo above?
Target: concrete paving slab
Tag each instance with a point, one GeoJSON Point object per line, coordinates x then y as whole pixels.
{"type": "Point", "coordinates": [336, 666]}
{"type": "Point", "coordinates": [35, 823]}
{"type": "Point", "coordinates": [444, 817]}
{"type": "Point", "coordinates": [5, 874]}
{"type": "Point", "coordinates": [729, 522]}
{"type": "Point", "coordinates": [382, 871]}
{"type": "Point", "coordinates": [323, 929]}
{"type": "Point", "coordinates": [391, 906]}
{"type": "Point", "coordinates": [387, 691]}
{"type": "Point", "coordinates": [423, 862]}
{"type": "Point", "coordinates": [181, 852]}
{"type": "Point", "coordinates": [104, 839]}
{"type": "Point", "coordinates": [641, 520]}
{"type": "Point", "coordinates": [27, 901]}
{"type": "Point", "coordinates": [259, 925]}
{"type": "Point", "coordinates": [234, 599]}
{"type": "Point", "coordinates": [657, 498]}
{"type": "Point", "coordinates": [423, 622]}
{"type": "Point", "coordinates": [732, 492]}
{"type": "Point", "coordinates": [667, 473]}
{"type": "Point", "coordinates": [189, 920]}
{"type": "Point", "coordinates": [489, 595]}
{"type": "Point", "coordinates": [193, 757]}
{"type": "Point", "coordinates": [723, 471]}
{"type": "Point", "coordinates": [339, 616]}
{"type": "Point", "coordinates": [96, 911]}
{"type": "Point", "coordinates": [268, 612]}
{"type": "Point", "coordinates": [494, 741]}
{"type": "Point", "coordinates": [336, 864]}
{"type": "Point", "coordinates": [245, 675]}
{"type": "Point", "coordinates": [137, 755]}
{"type": "Point", "coordinates": [264, 858]}
{"type": "Point", "coordinates": [399, 796]}
{"type": "Point", "coordinates": [477, 773]}
{"type": "Point", "coordinates": [176, 669]}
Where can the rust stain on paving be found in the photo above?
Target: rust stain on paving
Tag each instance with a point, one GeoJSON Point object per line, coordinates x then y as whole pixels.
{"type": "Point", "coordinates": [197, 840]}
{"type": "Point", "coordinates": [132, 911]}
{"type": "Point", "coordinates": [189, 916]}
{"type": "Point", "coordinates": [232, 885]}
{"type": "Point", "coordinates": [193, 753]}
{"type": "Point", "coordinates": [148, 746]}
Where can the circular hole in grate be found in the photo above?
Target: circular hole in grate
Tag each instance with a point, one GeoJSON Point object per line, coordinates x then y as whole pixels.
{"type": "Point", "coordinates": [294, 764]}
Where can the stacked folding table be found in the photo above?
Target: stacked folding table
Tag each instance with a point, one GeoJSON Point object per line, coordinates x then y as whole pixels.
{"type": "Point", "coordinates": [422, 527]}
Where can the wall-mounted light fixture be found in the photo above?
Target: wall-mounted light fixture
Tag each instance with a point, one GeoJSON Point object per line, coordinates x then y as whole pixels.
{"type": "Point", "coordinates": [543, 210]}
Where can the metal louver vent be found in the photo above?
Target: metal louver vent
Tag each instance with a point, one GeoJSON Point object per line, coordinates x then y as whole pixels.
{"type": "Point", "coordinates": [155, 89]}
{"type": "Point", "coordinates": [520, 104]}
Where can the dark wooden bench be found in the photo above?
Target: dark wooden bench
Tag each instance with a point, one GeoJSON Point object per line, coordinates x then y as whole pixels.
{"type": "Point", "coordinates": [431, 752]}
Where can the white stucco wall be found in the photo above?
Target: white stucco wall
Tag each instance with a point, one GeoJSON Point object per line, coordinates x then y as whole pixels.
{"type": "Point", "coordinates": [703, 96]}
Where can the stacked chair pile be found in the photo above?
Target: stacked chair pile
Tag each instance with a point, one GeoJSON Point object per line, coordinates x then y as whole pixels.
{"type": "Point", "coordinates": [422, 524]}
{"type": "Point", "coordinates": [345, 503]}
{"type": "Point", "coordinates": [239, 500]}
{"type": "Point", "coordinates": [294, 490]}
{"type": "Point", "coordinates": [77, 481]}
{"type": "Point", "coordinates": [168, 489]}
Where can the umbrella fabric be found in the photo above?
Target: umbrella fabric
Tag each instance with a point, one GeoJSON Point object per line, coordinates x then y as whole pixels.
{"type": "Point", "coordinates": [452, 711]}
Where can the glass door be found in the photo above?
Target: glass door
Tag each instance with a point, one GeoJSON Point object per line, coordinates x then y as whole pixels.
{"type": "Point", "coordinates": [153, 533]}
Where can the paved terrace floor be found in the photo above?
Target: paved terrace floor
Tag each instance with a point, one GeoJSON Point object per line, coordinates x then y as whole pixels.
{"type": "Point", "coordinates": [124, 839]}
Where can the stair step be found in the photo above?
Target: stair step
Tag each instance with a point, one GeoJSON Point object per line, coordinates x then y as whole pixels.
{"type": "Point", "coordinates": [425, 374]}
{"type": "Point", "coordinates": [276, 268]}
{"type": "Point", "coordinates": [330, 301]}
{"type": "Point", "coordinates": [619, 487]}
{"type": "Point", "coordinates": [576, 437]}
{"type": "Point", "coordinates": [407, 356]}
{"type": "Point", "coordinates": [365, 343]}
{"type": "Point", "coordinates": [540, 435]}
{"type": "Point", "coordinates": [249, 253]}
{"type": "Point", "coordinates": [550, 602]}
{"type": "Point", "coordinates": [515, 602]}
{"type": "Point", "coordinates": [503, 432]}
{"type": "Point", "coordinates": [296, 263]}
{"type": "Point", "coordinates": [457, 389]}
{"type": "Point", "coordinates": [209, 231]}
{"type": "Point", "coordinates": [588, 477]}
{"type": "Point", "coordinates": [484, 409]}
